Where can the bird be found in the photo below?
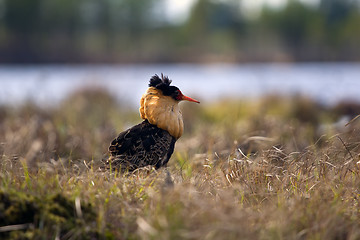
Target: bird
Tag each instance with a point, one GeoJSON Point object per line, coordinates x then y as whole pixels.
{"type": "Point", "coordinates": [151, 142]}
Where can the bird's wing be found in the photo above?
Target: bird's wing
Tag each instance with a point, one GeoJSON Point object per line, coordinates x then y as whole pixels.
{"type": "Point", "coordinates": [142, 145]}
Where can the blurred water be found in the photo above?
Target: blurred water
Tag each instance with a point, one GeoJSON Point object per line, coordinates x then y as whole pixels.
{"type": "Point", "coordinates": [49, 84]}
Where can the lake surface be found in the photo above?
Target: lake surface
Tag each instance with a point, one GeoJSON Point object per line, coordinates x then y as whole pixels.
{"type": "Point", "coordinates": [328, 83]}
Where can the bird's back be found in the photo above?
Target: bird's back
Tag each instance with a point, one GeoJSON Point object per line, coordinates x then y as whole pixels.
{"type": "Point", "coordinates": [142, 145]}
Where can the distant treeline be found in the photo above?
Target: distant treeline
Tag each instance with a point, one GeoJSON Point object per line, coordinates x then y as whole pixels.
{"type": "Point", "coordinates": [39, 31]}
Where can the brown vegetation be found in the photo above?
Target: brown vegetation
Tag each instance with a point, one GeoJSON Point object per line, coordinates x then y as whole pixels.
{"type": "Point", "coordinates": [267, 169]}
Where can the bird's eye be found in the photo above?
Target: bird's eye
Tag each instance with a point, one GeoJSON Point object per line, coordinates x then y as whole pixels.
{"type": "Point", "coordinates": [178, 95]}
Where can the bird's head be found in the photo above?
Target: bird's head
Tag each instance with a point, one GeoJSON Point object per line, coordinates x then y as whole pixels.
{"type": "Point", "coordinates": [163, 84]}
{"type": "Point", "coordinates": [159, 105]}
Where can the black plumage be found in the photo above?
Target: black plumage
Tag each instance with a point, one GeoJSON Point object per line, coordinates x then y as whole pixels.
{"type": "Point", "coordinates": [163, 84]}
{"type": "Point", "coordinates": [140, 146]}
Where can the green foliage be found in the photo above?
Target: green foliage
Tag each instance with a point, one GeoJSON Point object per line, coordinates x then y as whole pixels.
{"type": "Point", "coordinates": [48, 216]}
{"type": "Point", "coordinates": [133, 31]}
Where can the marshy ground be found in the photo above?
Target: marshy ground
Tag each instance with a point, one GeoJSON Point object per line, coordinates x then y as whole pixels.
{"type": "Point", "coordinates": [272, 168]}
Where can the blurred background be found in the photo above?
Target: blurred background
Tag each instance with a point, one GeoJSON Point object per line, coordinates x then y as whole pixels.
{"type": "Point", "coordinates": [212, 48]}
{"type": "Point", "coordinates": [276, 132]}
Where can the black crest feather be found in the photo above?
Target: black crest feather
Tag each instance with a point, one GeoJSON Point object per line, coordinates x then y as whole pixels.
{"type": "Point", "coordinates": [158, 82]}
{"type": "Point", "coordinates": [163, 84]}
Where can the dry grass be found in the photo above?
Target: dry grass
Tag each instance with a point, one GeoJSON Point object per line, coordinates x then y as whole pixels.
{"type": "Point", "coordinates": [272, 169]}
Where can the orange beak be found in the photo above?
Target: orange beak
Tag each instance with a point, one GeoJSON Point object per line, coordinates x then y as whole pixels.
{"type": "Point", "coordinates": [186, 98]}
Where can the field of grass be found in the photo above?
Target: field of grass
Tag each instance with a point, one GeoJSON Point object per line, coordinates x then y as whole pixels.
{"type": "Point", "coordinates": [272, 168]}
